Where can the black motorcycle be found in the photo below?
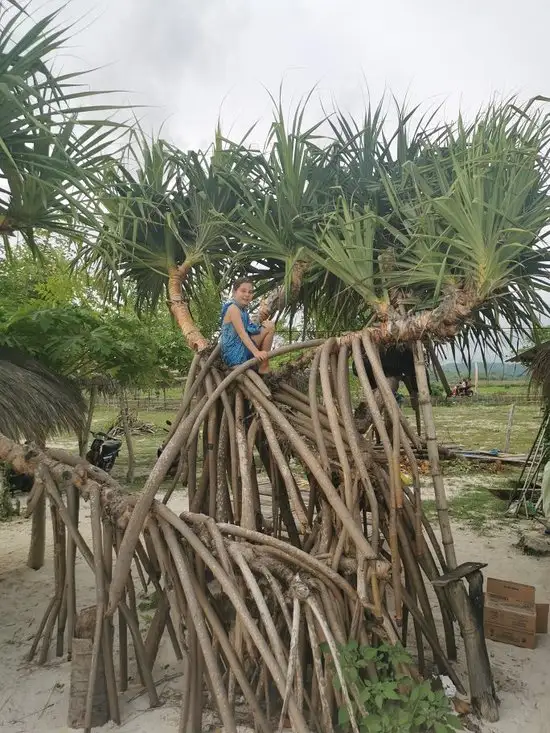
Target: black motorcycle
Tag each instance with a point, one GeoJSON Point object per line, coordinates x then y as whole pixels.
{"type": "Point", "coordinates": [103, 451]}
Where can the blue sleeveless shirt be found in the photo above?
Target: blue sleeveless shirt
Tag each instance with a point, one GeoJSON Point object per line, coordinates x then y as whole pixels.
{"type": "Point", "coordinates": [233, 351]}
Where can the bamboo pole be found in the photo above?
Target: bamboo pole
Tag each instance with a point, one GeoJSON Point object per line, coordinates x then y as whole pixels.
{"type": "Point", "coordinates": [433, 455]}
{"type": "Point", "coordinates": [100, 607]}
{"type": "Point", "coordinates": [186, 578]}
{"type": "Point", "coordinates": [73, 500]}
{"type": "Point", "coordinates": [248, 518]}
{"type": "Point", "coordinates": [479, 669]}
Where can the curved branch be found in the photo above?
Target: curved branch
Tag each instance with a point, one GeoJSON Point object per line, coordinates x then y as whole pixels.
{"type": "Point", "coordinates": [180, 308]}
{"type": "Point", "coordinates": [283, 296]}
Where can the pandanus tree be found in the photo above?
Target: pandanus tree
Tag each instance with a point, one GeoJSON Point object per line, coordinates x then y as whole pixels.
{"type": "Point", "coordinates": [421, 236]}
{"type": "Point", "coordinates": [165, 225]}
{"type": "Point", "coordinates": [52, 146]}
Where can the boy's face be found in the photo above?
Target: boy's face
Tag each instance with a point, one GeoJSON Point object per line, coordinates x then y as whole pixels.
{"type": "Point", "coordinates": [243, 294]}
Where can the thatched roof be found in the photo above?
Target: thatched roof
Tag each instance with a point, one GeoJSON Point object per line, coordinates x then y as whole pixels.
{"type": "Point", "coordinates": [537, 360]}
{"type": "Point", "coordinates": [527, 356]}
{"type": "Point", "coordinates": [34, 403]}
{"type": "Point", "coordinates": [103, 383]}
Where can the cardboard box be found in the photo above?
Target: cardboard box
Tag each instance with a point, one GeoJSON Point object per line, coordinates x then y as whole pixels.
{"type": "Point", "coordinates": [509, 592]}
{"type": "Point", "coordinates": [509, 636]}
{"type": "Point", "coordinates": [500, 613]}
{"type": "Point", "coordinates": [542, 618]}
{"type": "Point", "coordinates": [511, 615]}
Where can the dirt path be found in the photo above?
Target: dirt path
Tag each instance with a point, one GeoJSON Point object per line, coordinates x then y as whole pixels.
{"type": "Point", "coordinates": [35, 698]}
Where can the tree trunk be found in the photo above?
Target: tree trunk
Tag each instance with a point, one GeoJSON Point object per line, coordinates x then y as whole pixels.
{"type": "Point", "coordinates": [281, 297]}
{"type": "Point", "coordinates": [443, 322]}
{"type": "Point", "coordinates": [127, 434]}
{"type": "Point", "coordinates": [439, 369]}
{"type": "Point", "coordinates": [180, 308]}
{"type": "Point", "coordinates": [83, 439]}
{"type": "Point", "coordinates": [37, 548]}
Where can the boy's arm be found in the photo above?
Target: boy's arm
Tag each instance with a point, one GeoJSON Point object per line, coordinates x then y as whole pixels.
{"type": "Point", "coordinates": [235, 318]}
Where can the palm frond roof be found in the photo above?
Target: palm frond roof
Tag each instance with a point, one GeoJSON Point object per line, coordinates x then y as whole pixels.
{"type": "Point", "coordinates": [34, 403]}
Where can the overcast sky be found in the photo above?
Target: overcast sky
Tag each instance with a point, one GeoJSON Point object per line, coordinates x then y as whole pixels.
{"type": "Point", "coordinates": [196, 60]}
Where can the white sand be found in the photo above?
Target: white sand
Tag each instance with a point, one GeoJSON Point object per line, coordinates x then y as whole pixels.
{"type": "Point", "coordinates": [35, 698]}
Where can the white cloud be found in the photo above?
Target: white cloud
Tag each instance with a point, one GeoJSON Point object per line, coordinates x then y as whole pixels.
{"type": "Point", "coordinates": [192, 61]}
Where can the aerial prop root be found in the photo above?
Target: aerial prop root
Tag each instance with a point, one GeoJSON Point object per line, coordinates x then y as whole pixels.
{"type": "Point", "coordinates": [370, 548]}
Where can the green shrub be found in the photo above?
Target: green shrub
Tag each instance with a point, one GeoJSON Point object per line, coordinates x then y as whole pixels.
{"type": "Point", "coordinates": [394, 703]}
{"type": "Point", "coordinates": [437, 389]}
{"type": "Point", "coordinates": [8, 508]}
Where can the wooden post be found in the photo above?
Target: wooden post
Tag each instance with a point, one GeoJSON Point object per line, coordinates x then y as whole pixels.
{"type": "Point", "coordinates": [37, 548]}
{"type": "Point", "coordinates": [433, 455]}
{"type": "Point", "coordinates": [509, 428]}
{"type": "Point", "coordinates": [80, 673]}
{"type": "Point", "coordinates": [124, 413]}
{"type": "Point", "coordinates": [468, 608]}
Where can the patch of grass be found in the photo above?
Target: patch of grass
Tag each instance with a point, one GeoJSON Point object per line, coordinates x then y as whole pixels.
{"type": "Point", "coordinates": [483, 427]}
{"type": "Point", "coordinates": [503, 386]}
{"type": "Point", "coordinates": [462, 467]}
{"type": "Point", "coordinates": [477, 509]}
{"type": "Point", "coordinates": [503, 473]}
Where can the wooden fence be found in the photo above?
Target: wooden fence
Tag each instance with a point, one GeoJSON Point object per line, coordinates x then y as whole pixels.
{"type": "Point", "coordinates": [158, 403]}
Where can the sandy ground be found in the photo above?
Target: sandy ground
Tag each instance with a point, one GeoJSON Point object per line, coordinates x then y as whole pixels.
{"type": "Point", "coordinates": [35, 698]}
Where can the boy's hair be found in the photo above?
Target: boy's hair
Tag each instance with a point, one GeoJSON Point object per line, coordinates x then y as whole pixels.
{"type": "Point", "coordinates": [241, 281]}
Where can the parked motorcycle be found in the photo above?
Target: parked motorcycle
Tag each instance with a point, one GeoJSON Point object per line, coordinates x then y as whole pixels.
{"type": "Point", "coordinates": [104, 451]}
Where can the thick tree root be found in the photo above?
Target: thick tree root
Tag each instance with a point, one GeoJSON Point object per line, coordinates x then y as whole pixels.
{"type": "Point", "coordinates": [249, 590]}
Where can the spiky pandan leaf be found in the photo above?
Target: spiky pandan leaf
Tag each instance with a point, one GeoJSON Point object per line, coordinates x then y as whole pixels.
{"type": "Point", "coordinates": [34, 403]}
{"type": "Point", "coordinates": [469, 209]}
{"type": "Point", "coordinates": [476, 217]}
{"type": "Point", "coordinates": [537, 361]}
{"type": "Point", "coordinates": [288, 191]}
{"type": "Point", "coordinates": [52, 146]}
{"type": "Point", "coordinates": [346, 248]}
{"type": "Point", "coordinates": [166, 208]}
{"type": "Point", "coordinates": [458, 207]}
